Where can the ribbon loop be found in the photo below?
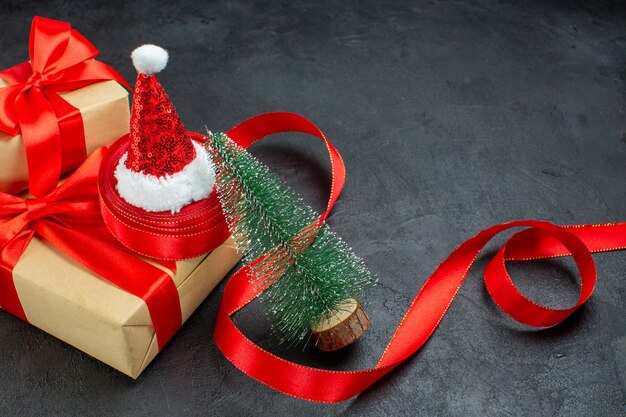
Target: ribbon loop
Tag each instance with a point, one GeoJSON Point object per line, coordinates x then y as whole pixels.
{"type": "Point", "coordinates": [37, 208]}
{"type": "Point", "coordinates": [35, 80]}
{"type": "Point", "coordinates": [510, 299]}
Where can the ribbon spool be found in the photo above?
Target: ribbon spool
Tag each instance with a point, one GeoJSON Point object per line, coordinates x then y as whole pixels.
{"type": "Point", "coordinates": [195, 230]}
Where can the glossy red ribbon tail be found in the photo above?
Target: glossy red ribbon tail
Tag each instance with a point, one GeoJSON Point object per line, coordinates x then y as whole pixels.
{"type": "Point", "coordinates": [9, 299]}
{"type": "Point", "coordinates": [429, 306]}
{"type": "Point", "coordinates": [71, 128]}
{"type": "Point", "coordinates": [42, 140]}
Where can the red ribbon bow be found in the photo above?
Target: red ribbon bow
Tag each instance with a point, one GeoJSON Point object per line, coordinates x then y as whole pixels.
{"type": "Point", "coordinates": [61, 59]}
{"type": "Point", "coordinates": [69, 219]}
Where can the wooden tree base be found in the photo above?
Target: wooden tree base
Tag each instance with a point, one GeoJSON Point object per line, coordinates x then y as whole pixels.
{"type": "Point", "coordinates": [341, 327]}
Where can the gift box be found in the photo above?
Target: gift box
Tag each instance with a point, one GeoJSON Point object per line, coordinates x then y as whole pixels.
{"type": "Point", "coordinates": [70, 302]}
{"type": "Point", "coordinates": [56, 108]}
{"type": "Point", "coordinates": [63, 271]}
{"type": "Point", "coordinates": [104, 110]}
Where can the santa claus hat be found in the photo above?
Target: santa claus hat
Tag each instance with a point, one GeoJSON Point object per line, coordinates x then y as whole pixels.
{"type": "Point", "coordinates": [164, 168]}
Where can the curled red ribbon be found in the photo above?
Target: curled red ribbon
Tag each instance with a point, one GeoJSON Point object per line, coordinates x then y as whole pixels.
{"type": "Point", "coordinates": [541, 240]}
{"type": "Point", "coordinates": [61, 59]}
{"type": "Point", "coordinates": [69, 219]}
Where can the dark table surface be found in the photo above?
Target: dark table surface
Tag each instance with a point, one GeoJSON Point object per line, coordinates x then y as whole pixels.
{"type": "Point", "coordinates": [451, 116]}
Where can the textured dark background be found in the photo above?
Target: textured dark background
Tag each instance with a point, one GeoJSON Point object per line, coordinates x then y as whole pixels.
{"type": "Point", "coordinates": [451, 116]}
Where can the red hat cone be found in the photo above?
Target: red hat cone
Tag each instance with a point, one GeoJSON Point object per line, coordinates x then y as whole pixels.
{"type": "Point", "coordinates": [164, 168]}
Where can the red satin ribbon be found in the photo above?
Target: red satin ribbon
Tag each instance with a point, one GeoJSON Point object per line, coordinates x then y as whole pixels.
{"type": "Point", "coordinates": [61, 59]}
{"type": "Point", "coordinates": [69, 219]}
{"type": "Point", "coordinates": [541, 240]}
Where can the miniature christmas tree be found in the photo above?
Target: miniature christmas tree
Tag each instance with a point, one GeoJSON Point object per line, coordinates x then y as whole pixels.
{"type": "Point", "coordinates": [311, 278]}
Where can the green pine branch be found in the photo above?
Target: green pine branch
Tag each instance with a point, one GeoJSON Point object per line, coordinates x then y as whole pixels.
{"type": "Point", "coordinates": [307, 270]}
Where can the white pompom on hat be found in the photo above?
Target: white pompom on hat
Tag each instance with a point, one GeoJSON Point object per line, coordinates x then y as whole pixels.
{"type": "Point", "coordinates": [149, 59]}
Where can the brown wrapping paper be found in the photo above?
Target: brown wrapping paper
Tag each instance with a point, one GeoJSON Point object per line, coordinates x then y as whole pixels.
{"type": "Point", "coordinates": [106, 118]}
{"type": "Point", "coordinates": [68, 301]}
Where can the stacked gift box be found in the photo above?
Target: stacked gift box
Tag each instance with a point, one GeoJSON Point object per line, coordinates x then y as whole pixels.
{"type": "Point", "coordinates": [62, 269]}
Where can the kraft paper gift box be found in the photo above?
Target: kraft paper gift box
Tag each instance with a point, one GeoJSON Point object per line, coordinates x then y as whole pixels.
{"type": "Point", "coordinates": [68, 301]}
{"type": "Point", "coordinates": [39, 281]}
{"type": "Point", "coordinates": [106, 117]}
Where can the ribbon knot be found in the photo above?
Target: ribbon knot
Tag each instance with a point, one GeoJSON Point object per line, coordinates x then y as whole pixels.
{"type": "Point", "coordinates": [37, 208]}
{"type": "Point", "coordinates": [37, 80]}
